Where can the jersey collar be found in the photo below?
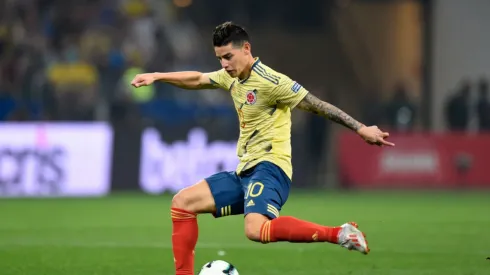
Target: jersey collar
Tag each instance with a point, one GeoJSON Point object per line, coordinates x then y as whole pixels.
{"type": "Point", "coordinates": [257, 61]}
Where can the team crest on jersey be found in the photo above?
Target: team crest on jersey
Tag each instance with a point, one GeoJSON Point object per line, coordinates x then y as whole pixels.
{"type": "Point", "coordinates": [251, 97]}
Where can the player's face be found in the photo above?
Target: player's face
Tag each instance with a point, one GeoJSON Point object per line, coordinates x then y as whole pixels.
{"type": "Point", "coordinates": [234, 59]}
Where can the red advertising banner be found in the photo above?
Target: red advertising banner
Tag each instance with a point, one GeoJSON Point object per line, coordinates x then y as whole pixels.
{"type": "Point", "coordinates": [417, 161]}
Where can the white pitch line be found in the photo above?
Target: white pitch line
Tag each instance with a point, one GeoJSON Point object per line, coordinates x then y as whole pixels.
{"type": "Point", "coordinates": [5, 244]}
{"type": "Point", "coordinates": [148, 245]}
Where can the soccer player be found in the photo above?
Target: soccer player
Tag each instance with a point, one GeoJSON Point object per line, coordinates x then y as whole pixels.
{"type": "Point", "coordinates": [259, 187]}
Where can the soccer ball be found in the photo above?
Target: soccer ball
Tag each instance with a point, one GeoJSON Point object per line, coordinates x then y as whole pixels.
{"type": "Point", "coordinates": [218, 267]}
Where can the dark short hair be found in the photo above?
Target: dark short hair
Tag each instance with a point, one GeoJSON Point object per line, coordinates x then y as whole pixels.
{"type": "Point", "coordinates": [229, 32]}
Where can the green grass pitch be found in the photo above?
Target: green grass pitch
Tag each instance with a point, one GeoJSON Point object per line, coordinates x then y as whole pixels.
{"type": "Point", "coordinates": [409, 233]}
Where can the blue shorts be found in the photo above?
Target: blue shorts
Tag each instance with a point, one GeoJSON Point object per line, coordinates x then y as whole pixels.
{"type": "Point", "coordinates": [262, 189]}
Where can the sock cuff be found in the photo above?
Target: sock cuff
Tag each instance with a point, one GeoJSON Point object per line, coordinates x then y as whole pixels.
{"type": "Point", "coordinates": [265, 232]}
{"type": "Point", "coordinates": [181, 214]}
{"type": "Point", "coordinates": [332, 234]}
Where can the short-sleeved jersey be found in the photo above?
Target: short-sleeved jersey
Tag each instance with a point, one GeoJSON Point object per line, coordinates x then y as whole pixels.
{"type": "Point", "coordinates": [263, 102]}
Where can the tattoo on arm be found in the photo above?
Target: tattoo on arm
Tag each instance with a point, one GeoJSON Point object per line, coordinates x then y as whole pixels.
{"type": "Point", "coordinates": [314, 105]}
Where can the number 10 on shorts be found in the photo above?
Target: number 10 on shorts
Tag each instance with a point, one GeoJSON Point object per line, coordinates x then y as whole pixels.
{"type": "Point", "coordinates": [254, 190]}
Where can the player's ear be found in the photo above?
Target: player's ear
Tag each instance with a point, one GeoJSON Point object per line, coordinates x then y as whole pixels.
{"type": "Point", "coordinates": [247, 48]}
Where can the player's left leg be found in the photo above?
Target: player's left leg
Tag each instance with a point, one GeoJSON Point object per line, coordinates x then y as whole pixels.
{"type": "Point", "coordinates": [267, 191]}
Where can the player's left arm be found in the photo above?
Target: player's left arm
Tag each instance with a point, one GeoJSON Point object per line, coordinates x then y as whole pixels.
{"type": "Point", "coordinates": [372, 134]}
{"type": "Point", "coordinates": [312, 104]}
{"type": "Point", "coordinates": [292, 94]}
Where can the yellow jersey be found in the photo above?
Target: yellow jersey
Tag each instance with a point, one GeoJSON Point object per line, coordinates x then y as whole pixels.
{"type": "Point", "coordinates": [263, 102]}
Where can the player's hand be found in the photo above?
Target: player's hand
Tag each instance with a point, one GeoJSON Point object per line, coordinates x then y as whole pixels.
{"type": "Point", "coordinates": [374, 136]}
{"type": "Point", "coordinates": [143, 80]}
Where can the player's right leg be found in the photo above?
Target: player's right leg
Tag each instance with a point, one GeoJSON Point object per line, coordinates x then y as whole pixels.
{"type": "Point", "coordinates": [186, 204]}
{"type": "Point", "coordinates": [220, 195]}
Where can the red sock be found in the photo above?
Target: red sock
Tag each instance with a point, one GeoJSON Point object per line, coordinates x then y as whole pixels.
{"type": "Point", "coordinates": [290, 229]}
{"type": "Point", "coordinates": [184, 239]}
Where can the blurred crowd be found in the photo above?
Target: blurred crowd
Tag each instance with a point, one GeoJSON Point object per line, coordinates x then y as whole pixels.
{"type": "Point", "coordinates": [468, 108]}
{"type": "Point", "coordinates": [73, 60]}
{"type": "Point", "coordinates": [398, 113]}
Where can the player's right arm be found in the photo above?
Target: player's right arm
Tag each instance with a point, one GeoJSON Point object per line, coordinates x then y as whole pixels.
{"type": "Point", "coordinates": [189, 80]}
